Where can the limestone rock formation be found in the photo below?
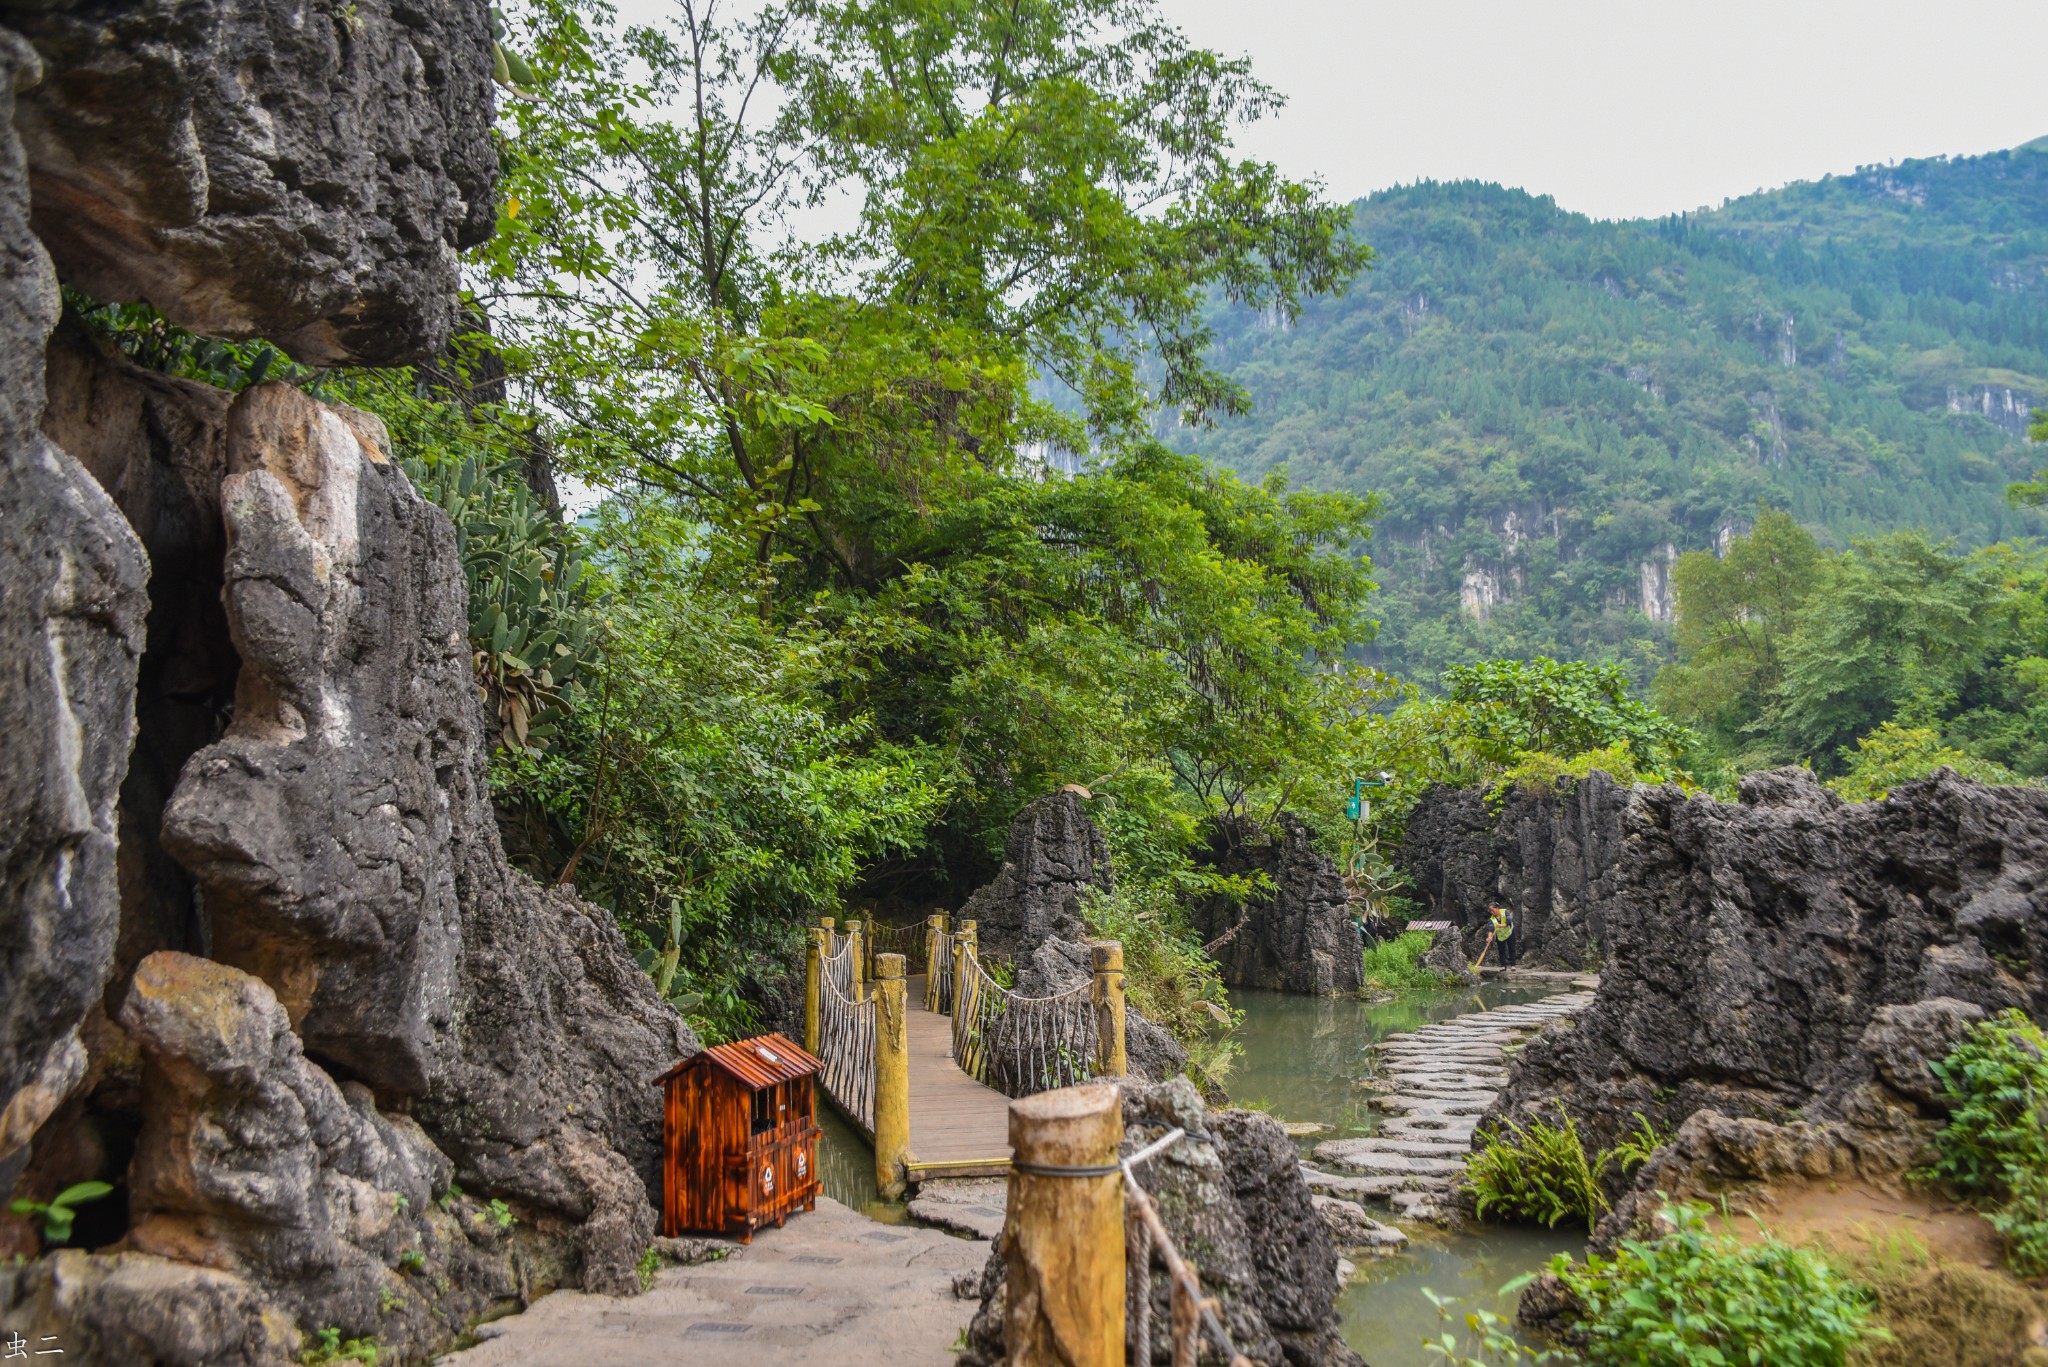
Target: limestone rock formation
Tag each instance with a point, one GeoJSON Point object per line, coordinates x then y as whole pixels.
{"type": "Point", "coordinates": [1548, 853]}
{"type": "Point", "coordinates": [72, 577]}
{"type": "Point", "coordinates": [1784, 968]}
{"type": "Point", "coordinates": [1297, 938]}
{"type": "Point", "coordinates": [1054, 854]}
{"type": "Point", "coordinates": [293, 171]}
{"type": "Point", "coordinates": [1235, 1203]}
{"type": "Point", "coordinates": [278, 984]}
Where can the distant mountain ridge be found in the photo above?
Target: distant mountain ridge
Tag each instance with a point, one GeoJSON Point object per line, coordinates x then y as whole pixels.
{"type": "Point", "coordinates": [1553, 408]}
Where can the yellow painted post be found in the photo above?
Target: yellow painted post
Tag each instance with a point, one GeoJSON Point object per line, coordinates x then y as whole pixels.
{"type": "Point", "coordinates": [1110, 1058]}
{"type": "Point", "coordinates": [814, 966]}
{"type": "Point", "coordinates": [853, 929]}
{"type": "Point", "coordinates": [934, 946]}
{"type": "Point", "coordinates": [892, 1077]}
{"type": "Point", "coordinates": [1063, 1234]}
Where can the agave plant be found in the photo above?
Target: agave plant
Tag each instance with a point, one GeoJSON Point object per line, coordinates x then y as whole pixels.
{"type": "Point", "coordinates": [530, 598]}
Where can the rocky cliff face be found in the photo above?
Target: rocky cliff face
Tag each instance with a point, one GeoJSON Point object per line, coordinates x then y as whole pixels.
{"type": "Point", "coordinates": [1550, 854]}
{"type": "Point", "coordinates": [1299, 937]}
{"type": "Point", "coordinates": [271, 976]}
{"type": "Point", "coordinates": [1782, 969]}
{"type": "Point", "coordinates": [1233, 1198]}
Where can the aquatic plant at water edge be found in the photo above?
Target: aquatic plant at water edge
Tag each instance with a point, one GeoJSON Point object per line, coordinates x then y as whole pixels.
{"type": "Point", "coordinates": [1544, 1172]}
{"type": "Point", "coordinates": [1398, 962]}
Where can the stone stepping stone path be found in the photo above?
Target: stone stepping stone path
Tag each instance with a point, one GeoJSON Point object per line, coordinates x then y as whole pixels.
{"type": "Point", "coordinates": [1439, 1080]}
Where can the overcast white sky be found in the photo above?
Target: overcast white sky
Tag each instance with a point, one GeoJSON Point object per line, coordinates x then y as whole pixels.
{"type": "Point", "coordinates": [1630, 109]}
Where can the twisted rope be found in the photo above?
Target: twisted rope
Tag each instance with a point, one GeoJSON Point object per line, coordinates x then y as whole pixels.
{"type": "Point", "coordinates": [1191, 1312]}
{"type": "Point", "coordinates": [846, 1037]}
{"type": "Point", "coordinates": [912, 942]}
{"type": "Point", "coordinates": [1022, 1045]}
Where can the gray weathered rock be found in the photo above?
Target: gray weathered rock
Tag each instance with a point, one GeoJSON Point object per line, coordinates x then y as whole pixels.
{"type": "Point", "coordinates": [343, 837]}
{"type": "Point", "coordinates": [1351, 1227]}
{"type": "Point", "coordinates": [1548, 853]}
{"type": "Point", "coordinates": [72, 603]}
{"type": "Point", "coordinates": [290, 171]}
{"type": "Point", "coordinates": [1298, 938]}
{"type": "Point", "coordinates": [1053, 855]}
{"type": "Point", "coordinates": [1233, 1198]}
{"type": "Point", "coordinates": [1783, 969]}
{"type": "Point", "coordinates": [1446, 958]}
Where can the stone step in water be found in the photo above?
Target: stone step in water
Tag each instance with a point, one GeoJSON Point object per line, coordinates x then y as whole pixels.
{"type": "Point", "coordinates": [1440, 1079]}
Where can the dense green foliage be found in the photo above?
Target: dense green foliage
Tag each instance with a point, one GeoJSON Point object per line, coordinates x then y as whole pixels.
{"type": "Point", "coordinates": [1994, 1148]}
{"type": "Point", "coordinates": [1692, 1297]}
{"type": "Point", "coordinates": [1544, 1172]}
{"type": "Point", "coordinates": [1397, 963]}
{"type": "Point", "coordinates": [857, 594]}
{"type": "Point", "coordinates": [1884, 660]}
{"type": "Point", "coordinates": [1551, 401]}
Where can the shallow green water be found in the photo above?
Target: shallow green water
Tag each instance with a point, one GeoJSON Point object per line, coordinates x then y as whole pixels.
{"type": "Point", "coordinates": [1304, 1059]}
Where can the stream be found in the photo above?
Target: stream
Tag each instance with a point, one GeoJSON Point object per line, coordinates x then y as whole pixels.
{"type": "Point", "coordinates": [1305, 1059]}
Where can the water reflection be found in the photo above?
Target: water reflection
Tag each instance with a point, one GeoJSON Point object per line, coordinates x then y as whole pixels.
{"type": "Point", "coordinates": [846, 1169]}
{"type": "Point", "coordinates": [1306, 1059]}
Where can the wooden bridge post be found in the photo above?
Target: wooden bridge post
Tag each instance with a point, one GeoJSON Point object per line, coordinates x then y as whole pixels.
{"type": "Point", "coordinates": [1063, 1238]}
{"type": "Point", "coordinates": [1110, 1058]}
{"type": "Point", "coordinates": [934, 940]}
{"type": "Point", "coordinates": [892, 1077]}
{"type": "Point", "coordinates": [860, 949]}
{"type": "Point", "coordinates": [814, 966]}
{"type": "Point", "coordinates": [964, 948]}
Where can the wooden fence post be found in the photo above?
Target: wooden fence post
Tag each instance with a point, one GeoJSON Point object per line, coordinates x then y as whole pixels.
{"type": "Point", "coordinates": [1063, 1235]}
{"type": "Point", "coordinates": [814, 965]}
{"type": "Point", "coordinates": [860, 949]}
{"type": "Point", "coordinates": [964, 948]}
{"type": "Point", "coordinates": [1110, 1058]}
{"type": "Point", "coordinates": [892, 1077]}
{"type": "Point", "coordinates": [934, 945]}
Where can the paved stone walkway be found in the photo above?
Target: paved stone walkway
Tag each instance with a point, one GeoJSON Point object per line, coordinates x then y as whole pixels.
{"type": "Point", "coordinates": [830, 1289]}
{"type": "Point", "coordinates": [1442, 1079]}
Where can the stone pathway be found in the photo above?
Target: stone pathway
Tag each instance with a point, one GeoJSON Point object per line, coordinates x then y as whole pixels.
{"type": "Point", "coordinates": [1441, 1080]}
{"type": "Point", "coordinates": [830, 1289]}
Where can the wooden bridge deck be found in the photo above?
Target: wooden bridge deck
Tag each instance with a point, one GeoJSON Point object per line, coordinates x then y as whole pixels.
{"type": "Point", "coordinates": [958, 1128]}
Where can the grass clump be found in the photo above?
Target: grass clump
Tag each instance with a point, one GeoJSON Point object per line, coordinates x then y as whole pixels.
{"type": "Point", "coordinates": [1994, 1150]}
{"type": "Point", "coordinates": [1694, 1297]}
{"type": "Point", "coordinates": [328, 1349]}
{"type": "Point", "coordinates": [1545, 1173]}
{"type": "Point", "coordinates": [1397, 963]}
{"type": "Point", "coordinates": [1939, 1310]}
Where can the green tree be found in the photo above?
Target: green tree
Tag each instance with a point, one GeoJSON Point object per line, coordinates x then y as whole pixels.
{"type": "Point", "coordinates": [1898, 625]}
{"type": "Point", "coordinates": [1561, 708]}
{"type": "Point", "coordinates": [1735, 613]}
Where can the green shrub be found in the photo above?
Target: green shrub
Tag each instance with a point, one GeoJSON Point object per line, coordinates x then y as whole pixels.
{"type": "Point", "coordinates": [1543, 1172]}
{"type": "Point", "coordinates": [1894, 754]}
{"type": "Point", "coordinates": [1398, 962]}
{"type": "Point", "coordinates": [1994, 1149]}
{"type": "Point", "coordinates": [1694, 1297]}
{"type": "Point", "coordinates": [328, 1349]}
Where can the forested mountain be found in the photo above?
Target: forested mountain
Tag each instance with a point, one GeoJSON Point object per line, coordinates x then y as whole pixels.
{"type": "Point", "coordinates": [1553, 408]}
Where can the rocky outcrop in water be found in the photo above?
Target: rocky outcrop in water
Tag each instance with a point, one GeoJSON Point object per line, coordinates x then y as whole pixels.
{"type": "Point", "coordinates": [1234, 1201]}
{"type": "Point", "coordinates": [1549, 853]}
{"type": "Point", "coordinates": [1296, 938]}
{"type": "Point", "coordinates": [1784, 968]}
{"type": "Point", "coordinates": [1054, 854]}
{"type": "Point", "coordinates": [274, 978]}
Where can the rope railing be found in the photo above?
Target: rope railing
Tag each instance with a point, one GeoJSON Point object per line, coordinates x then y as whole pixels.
{"type": "Point", "coordinates": [912, 942]}
{"type": "Point", "coordinates": [938, 979]}
{"type": "Point", "coordinates": [846, 1034]}
{"type": "Point", "coordinates": [1021, 1045]}
{"type": "Point", "coordinates": [1144, 1235]}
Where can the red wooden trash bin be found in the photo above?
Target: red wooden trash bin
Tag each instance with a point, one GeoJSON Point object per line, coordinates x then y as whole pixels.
{"type": "Point", "coordinates": [740, 1138]}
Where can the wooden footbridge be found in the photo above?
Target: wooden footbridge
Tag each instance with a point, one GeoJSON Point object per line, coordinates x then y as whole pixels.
{"type": "Point", "coordinates": [923, 1048]}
